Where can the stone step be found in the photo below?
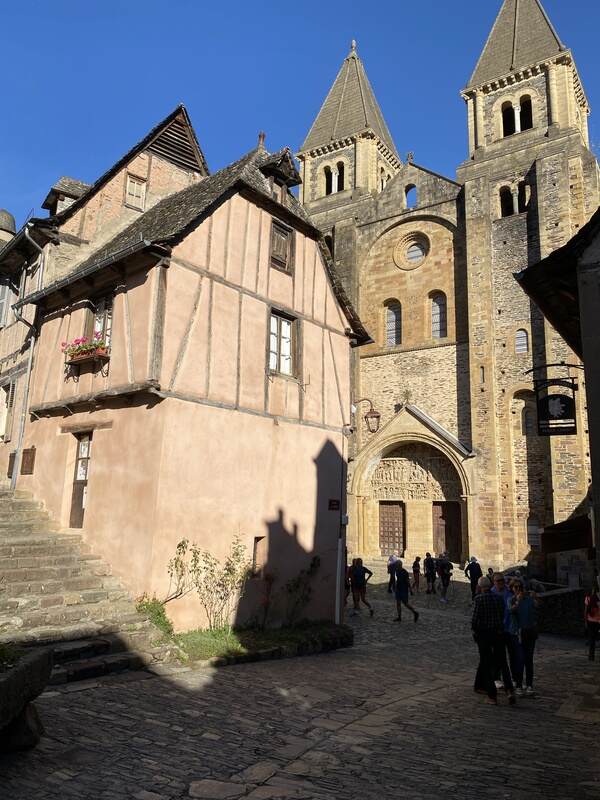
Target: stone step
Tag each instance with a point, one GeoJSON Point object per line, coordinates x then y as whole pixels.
{"type": "Point", "coordinates": [45, 559]}
{"type": "Point", "coordinates": [14, 606]}
{"type": "Point", "coordinates": [49, 539]}
{"type": "Point", "coordinates": [100, 611]}
{"type": "Point", "coordinates": [97, 666]}
{"type": "Point", "coordinates": [41, 574]}
{"type": "Point", "coordinates": [14, 529]}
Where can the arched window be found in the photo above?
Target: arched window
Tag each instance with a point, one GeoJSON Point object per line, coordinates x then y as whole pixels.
{"type": "Point", "coordinates": [439, 316]}
{"type": "Point", "coordinates": [523, 203]}
{"type": "Point", "coordinates": [521, 341]}
{"type": "Point", "coordinates": [526, 113]}
{"type": "Point", "coordinates": [507, 205]}
{"type": "Point", "coordinates": [382, 179]}
{"type": "Point", "coordinates": [410, 194]}
{"type": "Point", "coordinates": [393, 323]}
{"type": "Point", "coordinates": [528, 420]}
{"type": "Point", "coordinates": [328, 180]}
{"type": "Point", "coordinates": [508, 119]}
{"type": "Point", "coordinates": [341, 176]}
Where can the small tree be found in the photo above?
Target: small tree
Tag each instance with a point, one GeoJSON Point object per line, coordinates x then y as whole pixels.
{"type": "Point", "coordinates": [218, 586]}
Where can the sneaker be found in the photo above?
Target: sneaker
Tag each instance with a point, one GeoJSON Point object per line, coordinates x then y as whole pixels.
{"type": "Point", "coordinates": [529, 692]}
{"type": "Point", "coordinates": [499, 684]}
{"type": "Point", "coordinates": [519, 691]}
{"type": "Point", "coordinates": [416, 616]}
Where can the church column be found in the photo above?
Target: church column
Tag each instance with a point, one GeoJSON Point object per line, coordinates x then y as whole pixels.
{"type": "Point", "coordinates": [334, 180]}
{"type": "Point", "coordinates": [471, 124]}
{"type": "Point", "coordinates": [479, 132]}
{"type": "Point", "coordinates": [517, 112]}
{"type": "Point", "coordinates": [553, 110]}
{"type": "Point", "coordinates": [515, 196]}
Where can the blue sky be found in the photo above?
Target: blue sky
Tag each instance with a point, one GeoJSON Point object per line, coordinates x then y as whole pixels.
{"type": "Point", "coordinates": [83, 80]}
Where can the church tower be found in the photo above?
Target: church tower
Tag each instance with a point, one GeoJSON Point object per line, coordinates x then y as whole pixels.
{"type": "Point", "coordinates": [530, 183]}
{"type": "Point", "coordinates": [347, 158]}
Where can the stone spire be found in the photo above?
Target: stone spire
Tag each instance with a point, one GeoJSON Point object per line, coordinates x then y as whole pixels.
{"type": "Point", "coordinates": [349, 108]}
{"type": "Point", "coordinates": [521, 37]}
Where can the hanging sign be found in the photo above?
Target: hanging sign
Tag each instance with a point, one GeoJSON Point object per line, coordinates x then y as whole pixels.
{"type": "Point", "coordinates": [556, 409]}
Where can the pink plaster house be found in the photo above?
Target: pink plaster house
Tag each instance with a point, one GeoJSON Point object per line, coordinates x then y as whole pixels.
{"type": "Point", "coordinates": [216, 400]}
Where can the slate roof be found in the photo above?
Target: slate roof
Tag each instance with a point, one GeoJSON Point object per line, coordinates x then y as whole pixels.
{"type": "Point", "coordinates": [170, 220]}
{"type": "Point", "coordinates": [349, 108]}
{"type": "Point", "coordinates": [71, 186]}
{"type": "Point", "coordinates": [522, 36]}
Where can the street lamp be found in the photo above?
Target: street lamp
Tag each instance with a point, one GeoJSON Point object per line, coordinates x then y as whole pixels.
{"type": "Point", "coordinates": [372, 417]}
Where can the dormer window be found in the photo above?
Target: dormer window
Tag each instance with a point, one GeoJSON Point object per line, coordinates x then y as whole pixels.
{"type": "Point", "coordinates": [135, 194]}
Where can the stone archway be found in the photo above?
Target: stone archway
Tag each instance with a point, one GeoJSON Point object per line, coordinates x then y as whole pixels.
{"type": "Point", "coordinates": [412, 499]}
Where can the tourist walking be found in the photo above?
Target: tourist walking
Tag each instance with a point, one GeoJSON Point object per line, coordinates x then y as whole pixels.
{"type": "Point", "coordinates": [391, 568]}
{"type": "Point", "coordinates": [429, 567]}
{"type": "Point", "coordinates": [359, 577]}
{"type": "Point", "coordinates": [444, 568]}
{"type": "Point", "coordinates": [473, 572]}
{"type": "Point", "coordinates": [523, 610]}
{"type": "Point", "coordinates": [592, 621]}
{"type": "Point", "coordinates": [416, 571]}
{"type": "Point", "coordinates": [510, 642]}
{"type": "Point", "coordinates": [487, 624]}
{"type": "Point", "coordinates": [402, 591]}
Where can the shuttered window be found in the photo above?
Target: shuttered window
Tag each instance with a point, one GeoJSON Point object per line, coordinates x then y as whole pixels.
{"type": "Point", "coordinates": [135, 194]}
{"type": "Point", "coordinates": [281, 345]}
{"type": "Point", "coordinates": [393, 324]}
{"type": "Point", "coordinates": [439, 316]}
{"type": "Point", "coordinates": [102, 311]}
{"type": "Point", "coordinates": [282, 247]}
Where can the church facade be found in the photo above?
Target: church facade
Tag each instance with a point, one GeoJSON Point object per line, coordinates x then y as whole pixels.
{"type": "Point", "coordinates": [457, 463]}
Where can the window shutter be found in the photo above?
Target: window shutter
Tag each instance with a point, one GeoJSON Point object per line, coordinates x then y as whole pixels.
{"type": "Point", "coordinates": [28, 461]}
{"type": "Point", "coordinates": [281, 239]}
{"type": "Point", "coordinates": [11, 464]}
{"type": "Point", "coordinates": [4, 303]}
{"type": "Point", "coordinates": [10, 402]}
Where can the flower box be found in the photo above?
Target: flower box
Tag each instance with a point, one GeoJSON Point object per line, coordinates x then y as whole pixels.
{"type": "Point", "coordinates": [99, 354]}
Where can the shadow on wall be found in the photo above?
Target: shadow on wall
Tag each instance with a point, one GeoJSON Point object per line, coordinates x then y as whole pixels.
{"type": "Point", "coordinates": [292, 580]}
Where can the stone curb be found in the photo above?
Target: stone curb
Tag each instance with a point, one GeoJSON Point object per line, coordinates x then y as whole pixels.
{"type": "Point", "coordinates": [312, 646]}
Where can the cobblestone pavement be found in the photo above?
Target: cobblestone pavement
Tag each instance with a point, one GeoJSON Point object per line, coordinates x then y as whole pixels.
{"type": "Point", "coordinates": [393, 716]}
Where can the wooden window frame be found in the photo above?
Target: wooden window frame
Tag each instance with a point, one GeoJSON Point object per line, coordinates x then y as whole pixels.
{"type": "Point", "coordinates": [143, 183]}
{"type": "Point", "coordinates": [283, 265]}
{"type": "Point", "coordinates": [108, 315]}
{"type": "Point", "coordinates": [282, 316]}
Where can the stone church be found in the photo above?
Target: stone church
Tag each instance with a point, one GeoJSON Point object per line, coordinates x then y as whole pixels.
{"type": "Point", "coordinates": [457, 463]}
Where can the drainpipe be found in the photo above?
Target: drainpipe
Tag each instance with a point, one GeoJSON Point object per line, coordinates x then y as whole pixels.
{"type": "Point", "coordinates": [34, 333]}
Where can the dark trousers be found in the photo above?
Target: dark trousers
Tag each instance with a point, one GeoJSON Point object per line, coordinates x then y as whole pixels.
{"type": "Point", "coordinates": [489, 644]}
{"type": "Point", "coordinates": [473, 588]}
{"type": "Point", "coordinates": [527, 648]}
{"type": "Point", "coordinates": [593, 628]}
{"type": "Point", "coordinates": [392, 582]}
{"type": "Point", "coordinates": [507, 644]}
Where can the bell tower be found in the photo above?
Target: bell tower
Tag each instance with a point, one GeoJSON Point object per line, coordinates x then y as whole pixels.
{"type": "Point", "coordinates": [530, 182]}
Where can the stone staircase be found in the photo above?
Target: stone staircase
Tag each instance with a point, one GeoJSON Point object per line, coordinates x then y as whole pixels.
{"type": "Point", "coordinates": [53, 589]}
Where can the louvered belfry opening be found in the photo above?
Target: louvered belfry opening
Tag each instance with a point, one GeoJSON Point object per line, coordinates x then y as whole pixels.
{"type": "Point", "coordinates": [176, 145]}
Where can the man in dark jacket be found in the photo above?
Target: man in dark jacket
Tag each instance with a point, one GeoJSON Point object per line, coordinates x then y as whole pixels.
{"type": "Point", "coordinates": [429, 568]}
{"type": "Point", "coordinates": [473, 572]}
{"type": "Point", "coordinates": [488, 627]}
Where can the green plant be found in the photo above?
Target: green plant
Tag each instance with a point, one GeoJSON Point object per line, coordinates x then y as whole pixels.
{"type": "Point", "coordinates": [156, 613]}
{"type": "Point", "coordinates": [299, 591]}
{"type": "Point", "coordinates": [218, 586]}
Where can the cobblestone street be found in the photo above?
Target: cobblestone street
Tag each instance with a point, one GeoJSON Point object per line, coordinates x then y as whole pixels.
{"type": "Point", "coordinates": [393, 716]}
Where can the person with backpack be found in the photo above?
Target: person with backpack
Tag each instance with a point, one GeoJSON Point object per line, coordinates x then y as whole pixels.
{"type": "Point", "coordinates": [402, 591]}
{"type": "Point", "coordinates": [473, 572]}
{"type": "Point", "coordinates": [523, 610]}
{"type": "Point", "coordinates": [429, 567]}
{"type": "Point", "coordinates": [359, 577]}
{"type": "Point", "coordinates": [592, 620]}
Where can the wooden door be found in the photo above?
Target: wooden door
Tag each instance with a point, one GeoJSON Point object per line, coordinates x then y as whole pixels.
{"type": "Point", "coordinates": [392, 532]}
{"type": "Point", "coordinates": [447, 532]}
{"type": "Point", "coordinates": [80, 479]}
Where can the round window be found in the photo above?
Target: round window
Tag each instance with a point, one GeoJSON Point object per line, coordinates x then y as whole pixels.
{"type": "Point", "coordinates": [411, 251]}
{"type": "Point", "coordinates": [415, 254]}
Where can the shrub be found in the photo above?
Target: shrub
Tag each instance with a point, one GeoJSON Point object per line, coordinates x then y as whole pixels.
{"type": "Point", "coordinates": [156, 613]}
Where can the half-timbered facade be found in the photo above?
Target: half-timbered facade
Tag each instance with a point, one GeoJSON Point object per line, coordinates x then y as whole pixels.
{"type": "Point", "coordinates": [190, 367]}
